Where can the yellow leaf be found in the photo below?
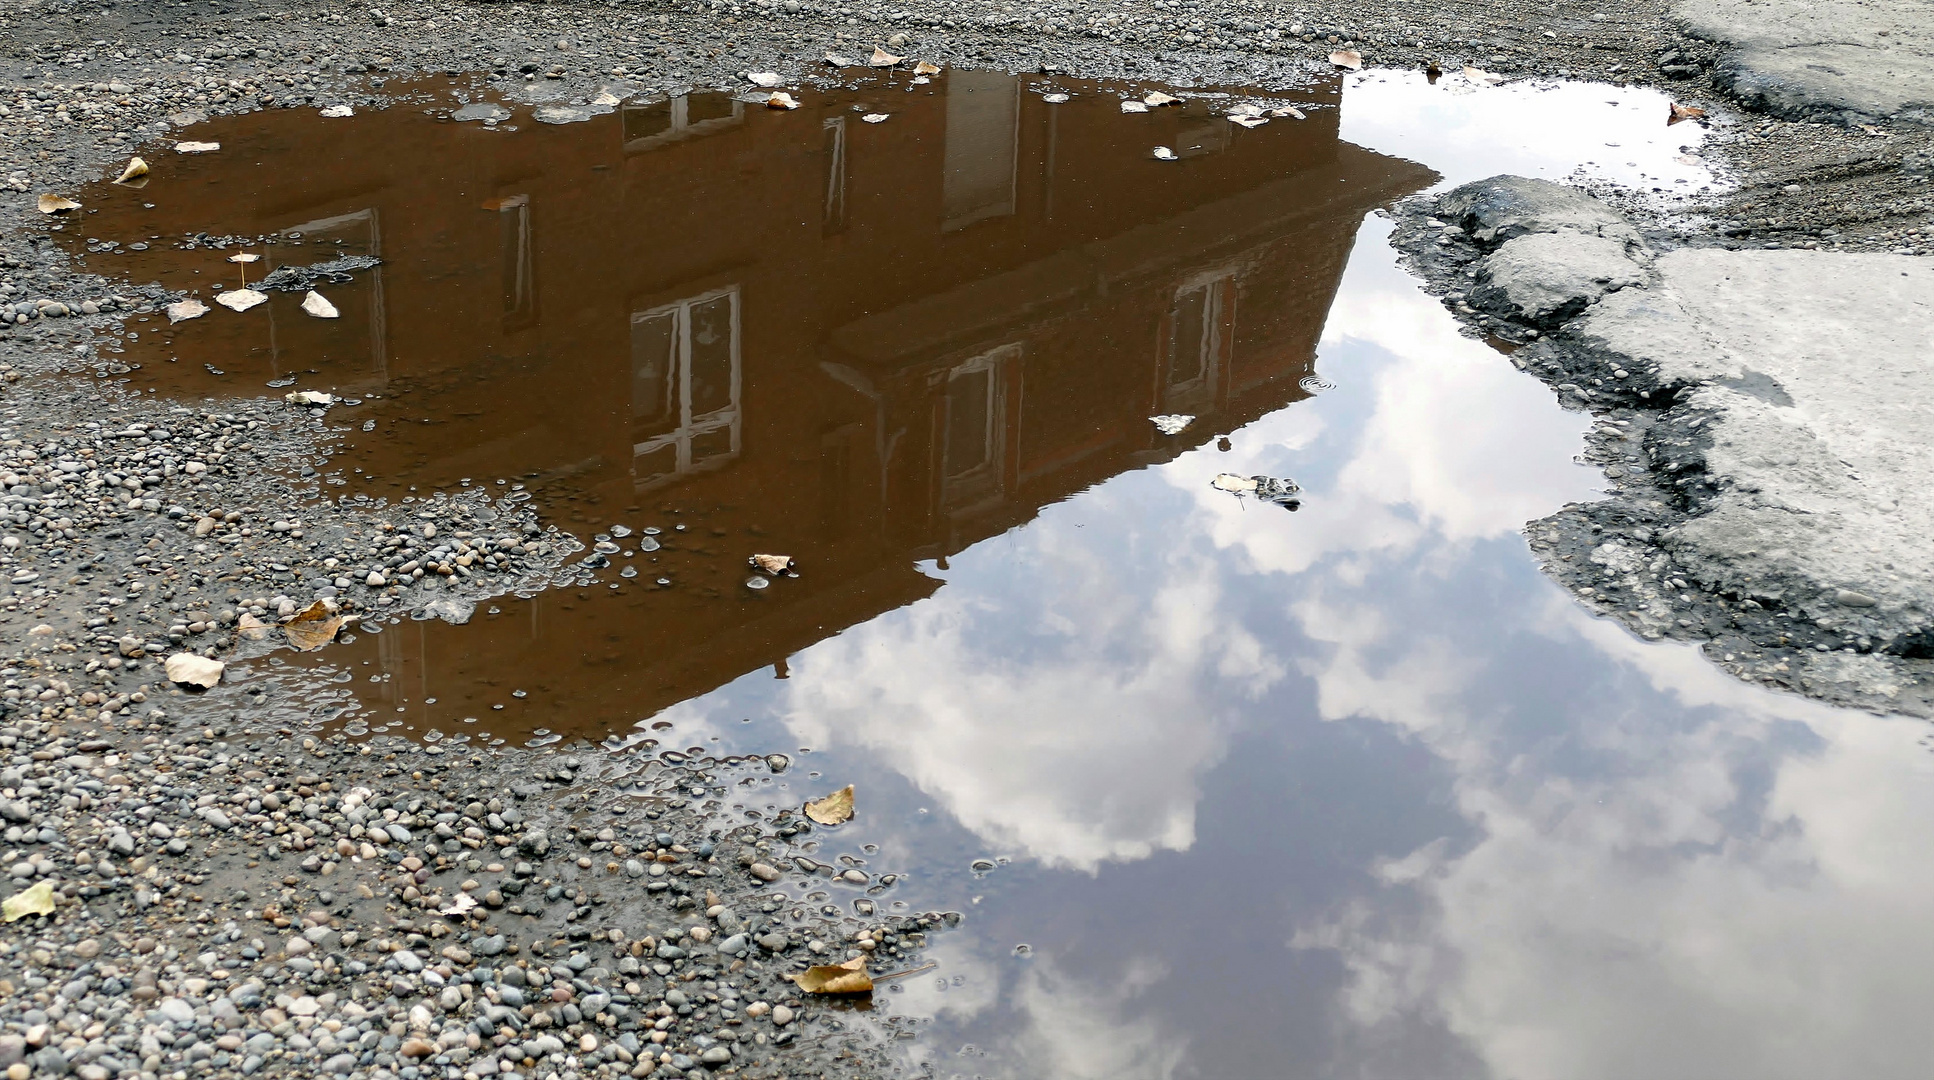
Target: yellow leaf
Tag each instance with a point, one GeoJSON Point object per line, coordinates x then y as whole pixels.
{"type": "Point", "coordinates": [39, 900]}
{"type": "Point", "coordinates": [1347, 58]}
{"type": "Point", "coordinates": [883, 59]}
{"type": "Point", "coordinates": [926, 67]}
{"type": "Point", "coordinates": [313, 627]}
{"type": "Point", "coordinates": [847, 978]}
{"type": "Point", "coordinates": [834, 808]}
{"type": "Point", "coordinates": [57, 204]}
{"type": "Point", "coordinates": [135, 170]}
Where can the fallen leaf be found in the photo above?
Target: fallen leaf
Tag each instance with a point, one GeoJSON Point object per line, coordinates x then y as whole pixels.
{"type": "Point", "coordinates": [197, 147]}
{"type": "Point", "coordinates": [1684, 112]}
{"type": "Point", "coordinates": [1133, 107]}
{"type": "Point", "coordinates": [1283, 492]}
{"type": "Point", "coordinates": [183, 310]}
{"type": "Point", "coordinates": [847, 978]}
{"type": "Point", "coordinates": [607, 98]}
{"type": "Point", "coordinates": [135, 170]}
{"type": "Point", "coordinates": [776, 565]}
{"type": "Point", "coordinates": [244, 257]}
{"type": "Point", "coordinates": [38, 899]}
{"type": "Point", "coordinates": [766, 79]}
{"type": "Point", "coordinates": [1171, 423]}
{"type": "Point", "coordinates": [1156, 98]}
{"type": "Point", "coordinates": [240, 299]}
{"type": "Point", "coordinates": [1249, 109]}
{"type": "Point", "coordinates": [309, 397]}
{"type": "Point", "coordinates": [834, 808]}
{"type": "Point", "coordinates": [1482, 77]}
{"type": "Point", "coordinates": [57, 204]}
{"type": "Point", "coordinates": [1347, 58]}
{"type": "Point", "coordinates": [837, 60]}
{"type": "Point", "coordinates": [337, 112]}
{"type": "Point", "coordinates": [313, 627]}
{"type": "Point", "coordinates": [463, 902]}
{"type": "Point", "coordinates": [874, 117]}
{"type": "Point", "coordinates": [1290, 111]}
{"type": "Point", "coordinates": [1163, 153]}
{"type": "Point", "coordinates": [883, 59]}
{"type": "Point", "coordinates": [190, 670]}
{"type": "Point", "coordinates": [926, 67]}
{"type": "Point", "coordinates": [1248, 121]}
{"type": "Point", "coordinates": [1054, 99]}
{"type": "Point", "coordinates": [781, 100]}
{"type": "Point", "coordinates": [1241, 485]}
{"type": "Point", "coordinates": [319, 306]}
{"type": "Point", "coordinates": [252, 628]}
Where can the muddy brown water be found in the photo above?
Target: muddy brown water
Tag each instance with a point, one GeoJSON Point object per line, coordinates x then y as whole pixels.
{"type": "Point", "coordinates": [1224, 791]}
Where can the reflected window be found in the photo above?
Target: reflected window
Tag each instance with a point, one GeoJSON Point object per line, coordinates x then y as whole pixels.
{"type": "Point", "coordinates": [356, 233]}
{"type": "Point", "coordinates": [657, 123]}
{"type": "Point", "coordinates": [983, 126]}
{"type": "Point", "coordinates": [1192, 352]}
{"type": "Point", "coordinates": [518, 259]}
{"type": "Point", "coordinates": [974, 432]}
{"type": "Point", "coordinates": [685, 375]}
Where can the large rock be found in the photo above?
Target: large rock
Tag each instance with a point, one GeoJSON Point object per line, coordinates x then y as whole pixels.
{"type": "Point", "coordinates": [1503, 207]}
{"type": "Point", "coordinates": [1546, 278]}
{"type": "Point", "coordinates": [1836, 58]}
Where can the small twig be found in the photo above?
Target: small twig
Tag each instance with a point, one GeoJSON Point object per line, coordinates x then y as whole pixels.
{"type": "Point", "coordinates": [910, 971]}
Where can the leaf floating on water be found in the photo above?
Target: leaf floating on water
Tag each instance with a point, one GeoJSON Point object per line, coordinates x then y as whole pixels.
{"type": "Point", "coordinates": [1248, 121]}
{"type": "Point", "coordinates": [135, 170]}
{"type": "Point", "coordinates": [1290, 111]}
{"type": "Point", "coordinates": [874, 117]}
{"type": "Point", "coordinates": [38, 899]}
{"type": "Point", "coordinates": [883, 59]}
{"type": "Point", "coordinates": [244, 257]}
{"type": "Point", "coordinates": [1249, 109]}
{"type": "Point", "coordinates": [776, 565]}
{"type": "Point", "coordinates": [1482, 77]}
{"type": "Point", "coordinates": [926, 67]}
{"type": "Point", "coordinates": [1684, 112]}
{"type": "Point", "coordinates": [1281, 491]}
{"type": "Point", "coordinates": [337, 112]}
{"type": "Point", "coordinates": [1347, 58]}
{"type": "Point", "coordinates": [833, 809]}
{"type": "Point", "coordinates": [309, 397]}
{"type": "Point", "coordinates": [319, 306]}
{"type": "Point", "coordinates": [240, 299]}
{"type": "Point", "coordinates": [1054, 99]}
{"type": "Point", "coordinates": [57, 204]}
{"type": "Point", "coordinates": [1240, 485]}
{"type": "Point", "coordinates": [1156, 99]}
{"type": "Point", "coordinates": [1133, 107]}
{"type": "Point", "coordinates": [781, 100]}
{"type": "Point", "coordinates": [197, 147]}
{"type": "Point", "coordinates": [1171, 423]}
{"type": "Point", "coordinates": [765, 79]}
{"type": "Point", "coordinates": [313, 627]}
{"type": "Point", "coordinates": [1163, 153]}
{"type": "Point", "coordinates": [847, 978]}
{"type": "Point", "coordinates": [183, 310]}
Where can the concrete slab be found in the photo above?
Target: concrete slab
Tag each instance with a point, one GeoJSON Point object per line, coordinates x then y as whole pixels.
{"type": "Point", "coordinates": [1840, 59]}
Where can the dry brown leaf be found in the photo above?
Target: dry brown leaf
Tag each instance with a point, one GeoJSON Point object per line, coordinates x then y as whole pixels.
{"type": "Point", "coordinates": [135, 170]}
{"type": "Point", "coordinates": [926, 67]}
{"type": "Point", "coordinates": [241, 299]}
{"type": "Point", "coordinates": [1347, 58]}
{"type": "Point", "coordinates": [1684, 112]}
{"type": "Point", "coordinates": [834, 808]}
{"type": "Point", "coordinates": [775, 565]}
{"type": "Point", "coordinates": [313, 627]}
{"type": "Point", "coordinates": [847, 978]}
{"type": "Point", "coordinates": [781, 100]}
{"type": "Point", "coordinates": [883, 59]}
{"type": "Point", "coordinates": [57, 204]}
{"type": "Point", "coordinates": [252, 628]}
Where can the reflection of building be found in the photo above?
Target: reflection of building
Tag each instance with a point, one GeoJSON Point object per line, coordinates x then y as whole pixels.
{"type": "Point", "coordinates": [861, 344]}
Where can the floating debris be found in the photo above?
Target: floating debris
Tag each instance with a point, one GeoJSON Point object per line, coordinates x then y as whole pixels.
{"type": "Point", "coordinates": [136, 169]}
{"type": "Point", "coordinates": [1054, 99]}
{"type": "Point", "coordinates": [187, 669]}
{"type": "Point", "coordinates": [337, 112]}
{"type": "Point", "coordinates": [335, 271]}
{"type": "Point", "coordinates": [319, 306]}
{"type": "Point", "coordinates": [775, 565]}
{"type": "Point", "coordinates": [834, 809]}
{"type": "Point", "coordinates": [1347, 58]}
{"type": "Point", "coordinates": [1282, 491]}
{"type": "Point", "coordinates": [309, 397]}
{"type": "Point", "coordinates": [926, 67]}
{"type": "Point", "coordinates": [883, 59]}
{"type": "Point", "coordinates": [874, 118]}
{"type": "Point", "coordinates": [1133, 107]}
{"type": "Point", "coordinates": [313, 627]}
{"type": "Point", "coordinates": [1171, 423]}
{"type": "Point", "coordinates": [183, 310]}
{"type": "Point", "coordinates": [782, 100]}
{"type": "Point", "coordinates": [1162, 153]}
{"type": "Point", "coordinates": [488, 111]}
{"type": "Point", "coordinates": [240, 299]}
{"type": "Point", "coordinates": [57, 204]}
{"type": "Point", "coordinates": [197, 147]}
{"type": "Point", "coordinates": [1155, 99]}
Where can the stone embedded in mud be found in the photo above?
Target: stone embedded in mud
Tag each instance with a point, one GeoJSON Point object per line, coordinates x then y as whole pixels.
{"type": "Point", "coordinates": [1546, 278]}
{"type": "Point", "coordinates": [1503, 207]}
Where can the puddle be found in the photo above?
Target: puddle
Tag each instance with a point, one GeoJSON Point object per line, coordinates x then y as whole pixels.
{"type": "Point", "coordinates": [1225, 790]}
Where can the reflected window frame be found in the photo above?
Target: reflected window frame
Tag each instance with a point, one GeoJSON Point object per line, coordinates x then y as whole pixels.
{"type": "Point", "coordinates": [971, 486]}
{"type": "Point", "coordinates": [679, 124]}
{"type": "Point", "coordinates": [688, 440]}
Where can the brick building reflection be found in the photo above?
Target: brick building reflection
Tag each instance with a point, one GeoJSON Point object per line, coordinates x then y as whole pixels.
{"type": "Point", "coordinates": [863, 345]}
